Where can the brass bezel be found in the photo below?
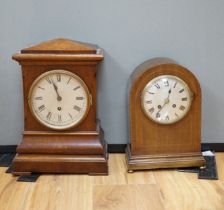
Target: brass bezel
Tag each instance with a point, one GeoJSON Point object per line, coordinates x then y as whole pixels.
{"type": "Point", "coordinates": [61, 71]}
{"type": "Point", "coordinates": [158, 78]}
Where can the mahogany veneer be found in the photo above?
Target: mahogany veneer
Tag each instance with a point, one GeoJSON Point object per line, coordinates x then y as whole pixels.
{"type": "Point", "coordinates": [80, 149]}
{"type": "Point", "coordinates": [153, 145]}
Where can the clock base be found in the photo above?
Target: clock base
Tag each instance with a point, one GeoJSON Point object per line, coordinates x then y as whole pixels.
{"type": "Point", "coordinates": [66, 164]}
{"type": "Point", "coordinates": [177, 160]}
{"type": "Point", "coordinates": [68, 153]}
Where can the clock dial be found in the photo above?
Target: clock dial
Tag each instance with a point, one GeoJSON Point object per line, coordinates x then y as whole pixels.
{"type": "Point", "coordinates": [166, 99]}
{"type": "Point", "coordinates": [59, 99]}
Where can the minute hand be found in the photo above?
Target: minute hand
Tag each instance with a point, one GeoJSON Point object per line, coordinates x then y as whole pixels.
{"type": "Point", "coordinates": [169, 94]}
{"type": "Point", "coordinates": [56, 90]}
{"type": "Point", "coordinates": [166, 101]}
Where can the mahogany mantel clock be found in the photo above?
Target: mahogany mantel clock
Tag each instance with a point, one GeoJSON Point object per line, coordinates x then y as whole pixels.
{"type": "Point", "coordinates": [62, 133]}
{"type": "Point", "coordinates": [165, 117]}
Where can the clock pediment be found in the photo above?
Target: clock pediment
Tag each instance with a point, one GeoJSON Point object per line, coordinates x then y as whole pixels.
{"type": "Point", "coordinates": [60, 50]}
{"type": "Point", "coordinates": [61, 46]}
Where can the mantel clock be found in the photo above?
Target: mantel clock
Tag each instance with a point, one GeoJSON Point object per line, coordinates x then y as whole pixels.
{"type": "Point", "coordinates": [164, 117]}
{"type": "Point", "coordinates": [61, 130]}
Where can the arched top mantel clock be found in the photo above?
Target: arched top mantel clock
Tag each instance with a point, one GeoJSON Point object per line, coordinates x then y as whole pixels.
{"type": "Point", "coordinates": [164, 117]}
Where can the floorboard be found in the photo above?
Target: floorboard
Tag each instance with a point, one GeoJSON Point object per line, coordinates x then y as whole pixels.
{"type": "Point", "coordinates": [147, 190]}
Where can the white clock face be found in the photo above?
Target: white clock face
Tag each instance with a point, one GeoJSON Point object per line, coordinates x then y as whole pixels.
{"type": "Point", "coordinates": [166, 99]}
{"type": "Point", "coordinates": [59, 99]}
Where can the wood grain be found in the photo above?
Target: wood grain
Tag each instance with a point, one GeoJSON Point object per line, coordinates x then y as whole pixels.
{"type": "Point", "coordinates": [185, 190]}
{"type": "Point", "coordinates": [61, 45]}
{"type": "Point", "coordinates": [148, 190]}
{"type": "Point", "coordinates": [220, 161]}
{"type": "Point", "coordinates": [86, 73]}
{"type": "Point", "coordinates": [131, 197]}
{"type": "Point", "coordinates": [80, 59]}
{"type": "Point", "coordinates": [118, 175]}
{"type": "Point", "coordinates": [148, 138]}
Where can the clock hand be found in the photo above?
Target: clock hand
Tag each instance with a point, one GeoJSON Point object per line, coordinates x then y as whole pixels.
{"type": "Point", "coordinates": [166, 101]}
{"type": "Point", "coordinates": [169, 92]}
{"type": "Point", "coordinates": [59, 98]}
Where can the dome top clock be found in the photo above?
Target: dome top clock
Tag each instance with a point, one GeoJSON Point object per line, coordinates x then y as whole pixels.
{"type": "Point", "coordinates": [164, 117]}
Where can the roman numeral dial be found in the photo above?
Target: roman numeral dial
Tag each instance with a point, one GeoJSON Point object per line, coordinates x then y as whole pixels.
{"type": "Point", "coordinates": [166, 99]}
{"type": "Point", "coordinates": [59, 99]}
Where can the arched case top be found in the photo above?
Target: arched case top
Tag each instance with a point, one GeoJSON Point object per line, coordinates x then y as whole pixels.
{"type": "Point", "coordinates": [148, 138]}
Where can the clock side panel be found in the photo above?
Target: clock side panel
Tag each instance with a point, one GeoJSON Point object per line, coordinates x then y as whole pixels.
{"type": "Point", "coordinates": [86, 72]}
{"type": "Point", "coordinates": [148, 137]}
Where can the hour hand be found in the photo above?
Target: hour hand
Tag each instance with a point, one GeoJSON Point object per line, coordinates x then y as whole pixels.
{"type": "Point", "coordinates": [166, 101]}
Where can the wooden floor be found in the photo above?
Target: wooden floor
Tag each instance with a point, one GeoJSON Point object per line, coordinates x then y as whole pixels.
{"type": "Point", "coordinates": [158, 189]}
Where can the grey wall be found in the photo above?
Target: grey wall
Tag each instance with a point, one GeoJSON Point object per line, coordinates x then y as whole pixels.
{"type": "Point", "coordinates": [130, 31]}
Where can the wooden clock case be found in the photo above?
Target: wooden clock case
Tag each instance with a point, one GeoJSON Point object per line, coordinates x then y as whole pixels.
{"type": "Point", "coordinates": [154, 145]}
{"type": "Point", "coordinates": [80, 149]}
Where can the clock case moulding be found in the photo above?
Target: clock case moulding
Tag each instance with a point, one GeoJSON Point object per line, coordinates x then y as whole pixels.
{"type": "Point", "coordinates": [152, 145]}
{"type": "Point", "coordinates": [80, 149]}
